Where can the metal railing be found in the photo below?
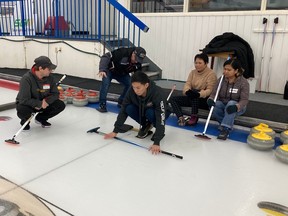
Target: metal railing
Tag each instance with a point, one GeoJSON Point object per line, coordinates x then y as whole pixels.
{"type": "Point", "coordinates": [102, 20]}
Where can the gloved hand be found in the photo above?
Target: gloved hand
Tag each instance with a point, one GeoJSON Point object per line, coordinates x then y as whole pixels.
{"type": "Point", "coordinates": [134, 67]}
{"type": "Point", "coordinates": [210, 102]}
{"type": "Point", "coordinates": [231, 109]}
{"type": "Point", "coordinates": [192, 94]}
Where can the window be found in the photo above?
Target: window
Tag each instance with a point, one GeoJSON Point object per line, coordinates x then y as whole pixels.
{"type": "Point", "coordinates": [156, 6]}
{"type": "Point", "coordinates": [6, 10]}
{"type": "Point", "coordinates": [277, 4]}
{"type": "Point", "coordinates": [162, 6]}
{"type": "Point", "coordinates": [224, 5]}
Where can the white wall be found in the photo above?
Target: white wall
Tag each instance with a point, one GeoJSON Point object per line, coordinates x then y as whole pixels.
{"type": "Point", "coordinates": [21, 52]}
{"type": "Point", "coordinates": [174, 39]}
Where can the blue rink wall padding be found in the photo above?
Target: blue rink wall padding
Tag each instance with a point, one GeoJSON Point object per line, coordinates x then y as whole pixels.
{"type": "Point", "coordinates": [212, 131]}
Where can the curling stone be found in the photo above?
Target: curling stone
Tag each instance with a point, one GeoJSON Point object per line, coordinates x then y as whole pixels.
{"type": "Point", "coordinates": [92, 96]}
{"type": "Point", "coordinates": [9, 208]}
{"type": "Point", "coordinates": [273, 209]}
{"type": "Point", "coordinates": [71, 89]}
{"type": "Point", "coordinates": [63, 98]}
{"type": "Point", "coordinates": [260, 141]}
{"type": "Point", "coordinates": [284, 136]}
{"type": "Point", "coordinates": [80, 100]}
{"type": "Point", "coordinates": [80, 92]}
{"type": "Point", "coordinates": [263, 128]}
{"type": "Point", "coordinates": [70, 93]}
{"type": "Point", "coordinates": [69, 97]}
{"type": "Point", "coordinates": [281, 153]}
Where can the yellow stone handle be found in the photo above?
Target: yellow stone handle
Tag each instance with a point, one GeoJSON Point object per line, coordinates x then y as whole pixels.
{"type": "Point", "coordinates": [261, 136]}
{"type": "Point", "coordinates": [284, 147]}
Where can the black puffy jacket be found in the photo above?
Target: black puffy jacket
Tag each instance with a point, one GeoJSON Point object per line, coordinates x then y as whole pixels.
{"type": "Point", "coordinates": [228, 42]}
{"type": "Point", "coordinates": [118, 61]}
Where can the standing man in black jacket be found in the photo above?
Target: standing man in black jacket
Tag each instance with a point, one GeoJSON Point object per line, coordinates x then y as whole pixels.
{"type": "Point", "coordinates": [117, 65]}
{"type": "Point", "coordinates": [38, 92]}
{"type": "Point", "coordinates": [145, 103]}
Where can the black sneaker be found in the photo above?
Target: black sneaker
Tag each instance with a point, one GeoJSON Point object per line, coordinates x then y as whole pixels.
{"type": "Point", "coordinates": [224, 134]}
{"type": "Point", "coordinates": [102, 108]}
{"type": "Point", "coordinates": [43, 123]}
{"type": "Point", "coordinates": [144, 131]}
{"type": "Point", "coordinates": [27, 127]}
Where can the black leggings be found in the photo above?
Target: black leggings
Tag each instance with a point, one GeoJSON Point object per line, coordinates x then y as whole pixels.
{"type": "Point", "coordinates": [24, 112]}
{"type": "Point", "coordinates": [183, 101]}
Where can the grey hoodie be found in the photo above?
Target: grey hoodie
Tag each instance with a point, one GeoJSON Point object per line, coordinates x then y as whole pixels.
{"type": "Point", "coordinates": [32, 90]}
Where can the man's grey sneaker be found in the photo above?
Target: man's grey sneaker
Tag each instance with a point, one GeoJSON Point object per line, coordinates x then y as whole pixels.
{"type": "Point", "coordinates": [102, 108]}
{"type": "Point", "coordinates": [43, 123]}
{"type": "Point", "coordinates": [224, 134]}
{"type": "Point", "coordinates": [144, 131]}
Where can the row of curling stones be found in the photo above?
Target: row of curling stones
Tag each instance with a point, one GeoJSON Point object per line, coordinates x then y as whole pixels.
{"type": "Point", "coordinates": [78, 97]}
{"type": "Point", "coordinates": [263, 138]}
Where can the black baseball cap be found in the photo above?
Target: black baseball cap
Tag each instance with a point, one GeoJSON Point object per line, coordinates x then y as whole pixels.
{"type": "Point", "coordinates": [45, 62]}
{"type": "Point", "coordinates": [140, 54]}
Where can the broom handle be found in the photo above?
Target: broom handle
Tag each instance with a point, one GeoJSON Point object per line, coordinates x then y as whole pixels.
{"type": "Point", "coordinates": [60, 81]}
{"type": "Point", "coordinates": [27, 122]}
{"type": "Point", "coordinates": [173, 88]}
{"type": "Point", "coordinates": [133, 143]}
{"type": "Point", "coordinates": [212, 108]}
{"type": "Point", "coordinates": [218, 88]}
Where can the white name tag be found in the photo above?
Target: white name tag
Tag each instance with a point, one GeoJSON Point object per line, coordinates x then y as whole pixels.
{"type": "Point", "coordinates": [233, 90]}
{"type": "Point", "coordinates": [46, 86]}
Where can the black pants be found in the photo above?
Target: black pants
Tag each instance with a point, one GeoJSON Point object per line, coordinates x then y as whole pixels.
{"type": "Point", "coordinates": [183, 101]}
{"type": "Point", "coordinates": [25, 112]}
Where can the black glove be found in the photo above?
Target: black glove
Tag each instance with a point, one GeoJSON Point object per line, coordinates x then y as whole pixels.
{"type": "Point", "coordinates": [210, 102]}
{"type": "Point", "coordinates": [192, 94]}
{"type": "Point", "coordinates": [134, 67]}
{"type": "Point", "coordinates": [231, 109]}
